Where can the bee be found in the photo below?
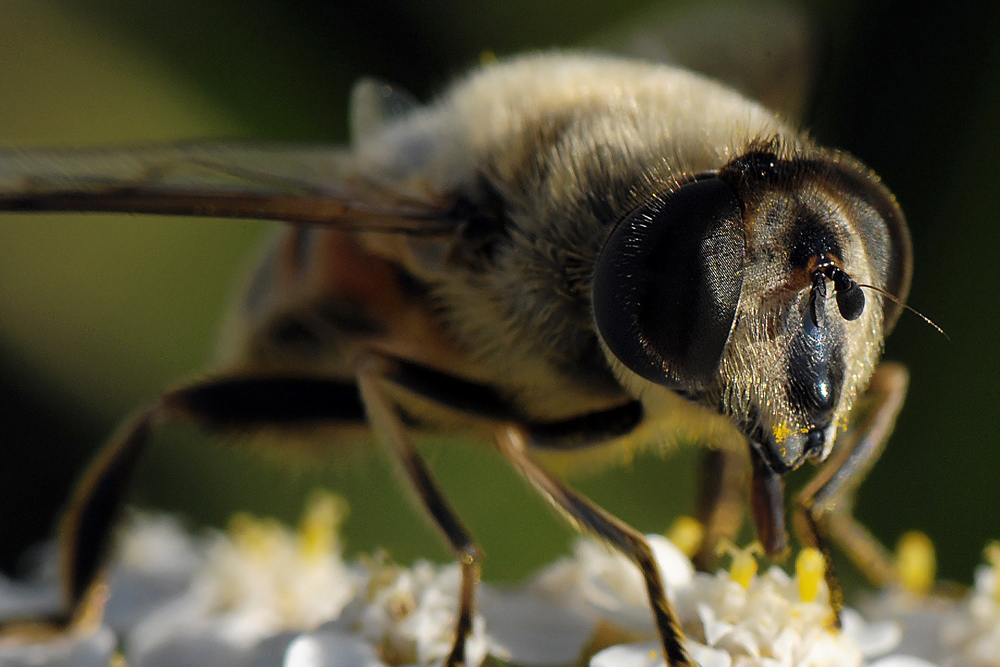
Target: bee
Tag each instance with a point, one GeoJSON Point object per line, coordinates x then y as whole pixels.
{"type": "Point", "coordinates": [562, 252]}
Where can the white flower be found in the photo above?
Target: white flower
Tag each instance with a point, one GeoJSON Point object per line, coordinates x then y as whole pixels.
{"type": "Point", "coordinates": [972, 631]}
{"type": "Point", "coordinates": [86, 649]}
{"type": "Point", "coordinates": [263, 595]}
{"type": "Point", "coordinates": [331, 649]}
{"type": "Point", "coordinates": [410, 614]}
{"type": "Point", "coordinates": [953, 631]}
{"type": "Point", "coordinates": [529, 627]}
{"type": "Point", "coordinates": [761, 621]}
{"type": "Point", "coordinates": [608, 586]}
{"type": "Point", "coordinates": [38, 594]}
{"type": "Point", "coordinates": [154, 563]}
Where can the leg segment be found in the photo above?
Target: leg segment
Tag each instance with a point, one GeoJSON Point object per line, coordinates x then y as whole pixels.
{"type": "Point", "coordinates": [228, 403]}
{"type": "Point", "coordinates": [767, 506]}
{"type": "Point", "coordinates": [512, 442]}
{"type": "Point", "coordinates": [387, 423]}
{"type": "Point", "coordinates": [823, 508]}
{"type": "Point", "coordinates": [87, 528]}
{"type": "Point", "coordinates": [721, 502]}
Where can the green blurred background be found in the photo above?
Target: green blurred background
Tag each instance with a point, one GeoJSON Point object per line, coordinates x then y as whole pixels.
{"type": "Point", "coordinates": [98, 313]}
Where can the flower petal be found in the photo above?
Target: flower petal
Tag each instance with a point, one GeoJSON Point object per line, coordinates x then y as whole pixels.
{"type": "Point", "coordinates": [529, 629]}
{"type": "Point", "coordinates": [873, 638]}
{"type": "Point", "coordinates": [902, 661]}
{"type": "Point", "coordinates": [647, 654]}
{"type": "Point", "coordinates": [93, 650]}
{"type": "Point", "coordinates": [331, 649]}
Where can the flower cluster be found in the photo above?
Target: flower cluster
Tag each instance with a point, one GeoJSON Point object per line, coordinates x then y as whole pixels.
{"type": "Point", "coordinates": [950, 631]}
{"type": "Point", "coordinates": [262, 594]}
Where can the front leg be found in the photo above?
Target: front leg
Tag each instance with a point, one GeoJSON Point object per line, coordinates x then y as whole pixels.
{"type": "Point", "coordinates": [721, 502]}
{"type": "Point", "coordinates": [823, 508]}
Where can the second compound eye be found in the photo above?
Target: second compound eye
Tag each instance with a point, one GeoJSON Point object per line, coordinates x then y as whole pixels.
{"type": "Point", "coordinates": [668, 282]}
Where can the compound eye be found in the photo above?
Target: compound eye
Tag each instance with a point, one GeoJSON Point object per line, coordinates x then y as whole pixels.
{"type": "Point", "coordinates": [668, 281]}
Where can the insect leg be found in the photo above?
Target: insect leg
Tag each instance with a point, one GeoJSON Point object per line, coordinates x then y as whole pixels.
{"type": "Point", "coordinates": [387, 423]}
{"type": "Point", "coordinates": [220, 404]}
{"type": "Point", "coordinates": [477, 400]}
{"type": "Point", "coordinates": [823, 508]}
{"type": "Point", "coordinates": [767, 506]}
{"type": "Point", "coordinates": [721, 501]}
{"type": "Point", "coordinates": [86, 529]}
{"type": "Point", "coordinates": [513, 443]}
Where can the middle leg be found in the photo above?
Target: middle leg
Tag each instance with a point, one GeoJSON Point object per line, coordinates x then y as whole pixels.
{"type": "Point", "coordinates": [386, 421]}
{"type": "Point", "coordinates": [513, 444]}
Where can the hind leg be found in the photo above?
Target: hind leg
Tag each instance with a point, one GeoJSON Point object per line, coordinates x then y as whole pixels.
{"type": "Point", "coordinates": [219, 404]}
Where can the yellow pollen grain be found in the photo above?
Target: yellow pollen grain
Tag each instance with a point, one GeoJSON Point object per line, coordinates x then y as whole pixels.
{"type": "Point", "coordinates": [744, 566]}
{"type": "Point", "coordinates": [320, 525]}
{"type": "Point", "coordinates": [781, 431]}
{"type": "Point", "coordinates": [687, 534]}
{"type": "Point", "coordinates": [810, 569]}
{"type": "Point", "coordinates": [916, 564]}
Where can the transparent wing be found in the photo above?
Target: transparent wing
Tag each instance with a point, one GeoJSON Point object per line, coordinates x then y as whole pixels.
{"type": "Point", "coordinates": [294, 183]}
{"type": "Point", "coordinates": [374, 105]}
{"type": "Point", "coordinates": [769, 51]}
